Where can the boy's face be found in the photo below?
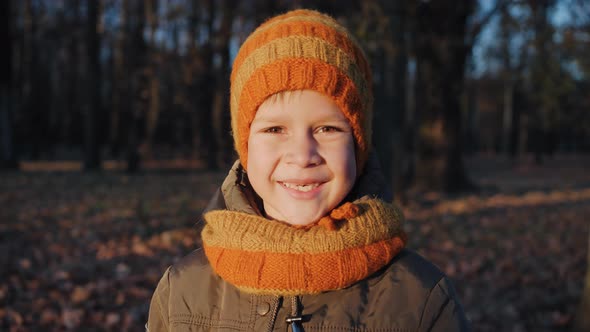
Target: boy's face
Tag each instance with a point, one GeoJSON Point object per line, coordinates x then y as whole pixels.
{"type": "Point", "coordinates": [301, 158]}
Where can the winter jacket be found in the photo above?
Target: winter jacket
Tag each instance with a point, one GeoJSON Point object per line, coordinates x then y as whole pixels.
{"type": "Point", "coordinates": [408, 294]}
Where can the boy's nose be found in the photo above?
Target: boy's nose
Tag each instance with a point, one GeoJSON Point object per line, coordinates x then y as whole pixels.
{"type": "Point", "coordinates": [302, 150]}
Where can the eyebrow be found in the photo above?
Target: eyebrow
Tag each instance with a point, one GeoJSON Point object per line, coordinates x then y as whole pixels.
{"type": "Point", "coordinates": [266, 118]}
{"type": "Point", "coordinates": [279, 118]}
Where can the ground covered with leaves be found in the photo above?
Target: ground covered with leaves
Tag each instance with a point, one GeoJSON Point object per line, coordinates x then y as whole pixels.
{"type": "Point", "coordinates": [85, 251]}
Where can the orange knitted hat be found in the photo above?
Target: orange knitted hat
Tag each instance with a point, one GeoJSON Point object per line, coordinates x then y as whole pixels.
{"type": "Point", "coordinates": [302, 50]}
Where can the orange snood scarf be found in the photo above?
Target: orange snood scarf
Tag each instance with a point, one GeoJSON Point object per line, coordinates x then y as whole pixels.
{"type": "Point", "coordinates": [258, 255]}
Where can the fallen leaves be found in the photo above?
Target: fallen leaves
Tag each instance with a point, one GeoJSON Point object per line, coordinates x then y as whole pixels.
{"type": "Point", "coordinates": [517, 253]}
{"type": "Point", "coordinates": [80, 294]}
{"type": "Point", "coordinates": [85, 251]}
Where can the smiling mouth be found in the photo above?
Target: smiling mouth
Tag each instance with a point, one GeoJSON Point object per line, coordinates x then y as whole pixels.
{"type": "Point", "coordinates": [300, 187]}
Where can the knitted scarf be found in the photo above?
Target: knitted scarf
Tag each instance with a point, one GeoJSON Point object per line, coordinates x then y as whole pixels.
{"type": "Point", "coordinates": [262, 256]}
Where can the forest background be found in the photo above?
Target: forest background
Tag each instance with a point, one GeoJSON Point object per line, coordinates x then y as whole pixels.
{"type": "Point", "coordinates": [114, 131]}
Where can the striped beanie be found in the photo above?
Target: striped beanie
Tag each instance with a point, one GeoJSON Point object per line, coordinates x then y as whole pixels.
{"type": "Point", "coordinates": [302, 50]}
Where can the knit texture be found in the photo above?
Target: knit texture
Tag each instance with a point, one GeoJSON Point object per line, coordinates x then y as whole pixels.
{"type": "Point", "coordinates": [263, 256]}
{"type": "Point", "coordinates": [302, 50]}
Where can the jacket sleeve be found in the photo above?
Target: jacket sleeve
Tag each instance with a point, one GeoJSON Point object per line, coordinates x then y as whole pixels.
{"type": "Point", "coordinates": [443, 310]}
{"type": "Point", "coordinates": [158, 313]}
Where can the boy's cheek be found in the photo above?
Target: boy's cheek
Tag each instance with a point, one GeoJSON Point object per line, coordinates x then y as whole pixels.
{"type": "Point", "coordinates": [263, 145]}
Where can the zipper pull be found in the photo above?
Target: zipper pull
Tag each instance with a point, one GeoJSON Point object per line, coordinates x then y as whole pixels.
{"type": "Point", "coordinates": [295, 323]}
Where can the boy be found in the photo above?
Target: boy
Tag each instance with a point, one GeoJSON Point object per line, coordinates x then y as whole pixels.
{"type": "Point", "coordinates": [298, 238]}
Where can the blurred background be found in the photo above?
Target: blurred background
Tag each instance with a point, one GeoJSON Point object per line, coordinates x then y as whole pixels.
{"type": "Point", "coordinates": [135, 81]}
{"type": "Point", "coordinates": [481, 125]}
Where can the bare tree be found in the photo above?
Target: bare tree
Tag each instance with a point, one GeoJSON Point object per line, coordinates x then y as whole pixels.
{"type": "Point", "coordinates": [92, 160]}
{"type": "Point", "coordinates": [119, 85]}
{"type": "Point", "coordinates": [204, 79]}
{"type": "Point", "coordinates": [220, 116]}
{"type": "Point", "coordinates": [137, 81]}
{"type": "Point", "coordinates": [509, 80]}
{"type": "Point", "coordinates": [398, 12]}
{"type": "Point", "coordinates": [548, 83]}
{"type": "Point", "coordinates": [7, 148]}
{"type": "Point", "coordinates": [153, 110]}
{"type": "Point", "coordinates": [31, 77]}
{"type": "Point", "coordinates": [382, 27]}
{"type": "Point", "coordinates": [441, 56]}
{"type": "Point", "coordinates": [443, 41]}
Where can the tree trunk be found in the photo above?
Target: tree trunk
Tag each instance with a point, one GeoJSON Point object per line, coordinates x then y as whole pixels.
{"type": "Point", "coordinates": [472, 120]}
{"type": "Point", "coordinates": [540, 72]}
{"type": "Point", "coordinates": [30, 94]}
{"type": "Point", "coordinates": [93, 107]}
{"type": "Point", "coordinates": [517, 134]}
{"type": "Point", "coordinates": [383, 110]}
{"type": "Point", "coordinates": [135, 57]}
{"type": "Point", "coordinates": [508, 82]}
{"type": "Point", "coordinates": [441, 54]}
{"type": "Point", "coordinates": [390, 61]}
{"type": "Point", "coordinates": [153, 111]}
{"type": "Point", "coordinates": [507, 114]}
{"type": "Point", "coordinates": [120, 93]}
{"type": "Point", "coordinates": [202, 77]}
{"type": "Point", "coordinates": [73, 92]}
{"type": "Point", "coordinates": [398, 93]}
{"type": "Point", "coordinates": [7, 149]}
{"type": "Point", "coordinates": [193, 68]}
{"type": "Point", "coordinates": [220, 145]}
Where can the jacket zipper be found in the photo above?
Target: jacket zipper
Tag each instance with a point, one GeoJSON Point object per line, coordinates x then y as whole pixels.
{"type": "Point", "coordinates": [295, 319]}
{"type": "Point", "coordinates": [273, 314]}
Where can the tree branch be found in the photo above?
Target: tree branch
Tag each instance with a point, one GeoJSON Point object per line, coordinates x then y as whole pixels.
{"type": "Point", "coordinates": [476, 28]}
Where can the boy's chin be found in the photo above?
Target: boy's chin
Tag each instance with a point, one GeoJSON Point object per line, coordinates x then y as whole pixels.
{"type": "Point", "coordinates": [302, 222]}
{"type": "Point", "coordinates": [297, 219]}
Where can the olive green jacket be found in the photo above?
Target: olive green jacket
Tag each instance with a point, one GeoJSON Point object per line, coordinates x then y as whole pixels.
{"type": "Point", "coordinates": [408, 294]}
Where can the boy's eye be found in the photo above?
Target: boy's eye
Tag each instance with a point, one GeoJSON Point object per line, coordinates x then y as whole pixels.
{"type": "Point", "coordinates": [328, 129]}
{"type": "Point", "coordinates": [273, 130]}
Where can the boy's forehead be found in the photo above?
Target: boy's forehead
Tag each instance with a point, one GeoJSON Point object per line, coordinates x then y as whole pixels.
{"type": "Point", "coordinates": [272, 111]}
{"type": "Point", "coordinates": [275, 105]}
{"type": "Point", "coordinates": [287, 109]}
{"type": "Point", "coordinates": [283, 96]}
